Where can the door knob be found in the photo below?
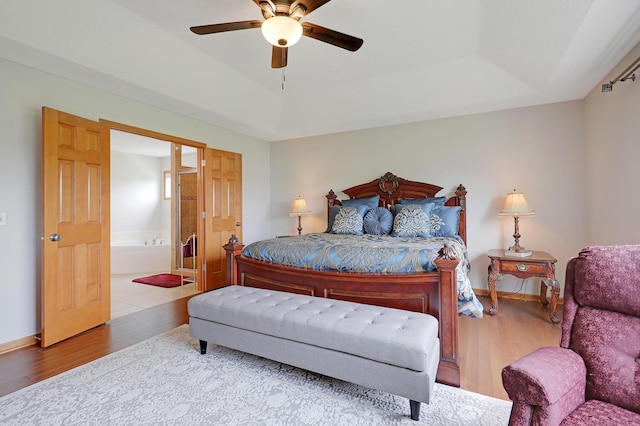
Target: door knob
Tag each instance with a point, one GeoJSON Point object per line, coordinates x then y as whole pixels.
{"type": "Point", "coordinates": [55, 237]}
{"type": "Point", "coordinates": [238, 224]}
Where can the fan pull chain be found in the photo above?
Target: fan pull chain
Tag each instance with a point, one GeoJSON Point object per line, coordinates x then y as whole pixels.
{"type": "Point", "coordinates": [284, 58]}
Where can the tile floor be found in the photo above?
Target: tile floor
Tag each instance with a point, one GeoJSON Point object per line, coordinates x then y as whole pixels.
{"type": "Point", "coordinates": [128, 297]}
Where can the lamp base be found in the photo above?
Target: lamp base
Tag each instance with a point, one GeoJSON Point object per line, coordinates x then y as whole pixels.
{"type": "Point", "coordinates": [518, 253]}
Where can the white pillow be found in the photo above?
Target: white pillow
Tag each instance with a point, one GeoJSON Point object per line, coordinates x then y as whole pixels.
{"type": "Point", "coordinates": [348, 221]}
{"type": "Point", "coordinates": [412, 221]}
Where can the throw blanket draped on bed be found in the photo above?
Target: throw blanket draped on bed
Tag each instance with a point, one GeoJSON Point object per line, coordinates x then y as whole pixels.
{"type": "Point", "coordinates": [368, 253]}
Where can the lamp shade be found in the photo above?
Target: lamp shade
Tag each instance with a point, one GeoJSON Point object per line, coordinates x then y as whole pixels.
{"type": "Point", "coordinates": [516, 205]}
{"type": "Point", "coordinates": [299, 208]}
{"type": "Point", "coordinates": [282, 31]}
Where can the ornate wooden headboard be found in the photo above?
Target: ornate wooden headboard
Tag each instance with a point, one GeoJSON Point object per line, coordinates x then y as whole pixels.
{"type": "Point", "coordinates": [391, 187]}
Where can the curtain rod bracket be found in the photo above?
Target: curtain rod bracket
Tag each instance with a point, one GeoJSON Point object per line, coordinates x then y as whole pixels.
{"type": "Point", "coordinates": [627, 74]}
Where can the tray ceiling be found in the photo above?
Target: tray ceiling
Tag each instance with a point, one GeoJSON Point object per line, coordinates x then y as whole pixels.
{"type": "Point", "coordinates": [421, 59]}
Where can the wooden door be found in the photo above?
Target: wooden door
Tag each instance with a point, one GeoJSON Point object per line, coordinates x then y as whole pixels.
{"type": "Point", "coordinates": [222, 177]}
{"type": "Point", "coordinates": [75, 225]}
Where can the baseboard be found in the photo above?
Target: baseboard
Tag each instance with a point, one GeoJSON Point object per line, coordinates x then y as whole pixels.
{"type": "Point", "coordinates": [514, 296]}
{"type": "Point", "coordinates": [17, 344]}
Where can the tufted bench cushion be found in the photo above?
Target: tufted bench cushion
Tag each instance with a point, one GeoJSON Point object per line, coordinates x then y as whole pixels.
{"type": "Point", "coordinates": [392, 336]}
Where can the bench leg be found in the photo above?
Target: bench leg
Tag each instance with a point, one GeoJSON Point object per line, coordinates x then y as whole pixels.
{"type": "Point", "coordinates": [203, 347]}
{"type": "Point", "coordinates": [415, 410]}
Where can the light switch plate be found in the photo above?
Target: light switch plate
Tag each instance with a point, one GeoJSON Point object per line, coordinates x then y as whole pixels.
{"type": "Point", "coordinates": [3, 218]}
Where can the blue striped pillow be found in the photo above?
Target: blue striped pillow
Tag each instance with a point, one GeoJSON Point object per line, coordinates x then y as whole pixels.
{"type": "Point", "coordinates": [378, 221]}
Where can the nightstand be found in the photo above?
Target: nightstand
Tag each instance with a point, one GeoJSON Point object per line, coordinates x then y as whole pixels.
{"type": "Point", "coordinates": [540, 264]}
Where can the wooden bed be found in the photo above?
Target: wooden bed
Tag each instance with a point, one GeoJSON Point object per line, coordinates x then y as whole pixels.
{"type": "Point", "coordinates": [434, 293]}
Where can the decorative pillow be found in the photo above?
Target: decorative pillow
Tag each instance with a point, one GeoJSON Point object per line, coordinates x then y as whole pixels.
{"type": "Point", "coordinates": [395, 208]}
{"type": "Point", "coordinates": [378, 221]}
{"type": "Point", "coordinates": [349, 220]}
{"type": "Point", "coordinates": [445, 221]}
{"type": "Point", "coordinates": [435, 200]}
{"type": "Point", "coordinates": [371, 202]}
{"type": "Point", "coordinates": [412, 221]}
{"type": "Point", "coordinates": [332, 217]}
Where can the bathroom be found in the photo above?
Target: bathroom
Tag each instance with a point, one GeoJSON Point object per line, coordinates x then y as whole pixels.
{"type": "Point", "coordinates": [141, 221]}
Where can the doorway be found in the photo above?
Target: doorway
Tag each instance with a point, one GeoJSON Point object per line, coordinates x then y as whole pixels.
{"type": "Point", "coordinates": [76, 216]}
{"type": "Point", "coordinates": [153, 221]}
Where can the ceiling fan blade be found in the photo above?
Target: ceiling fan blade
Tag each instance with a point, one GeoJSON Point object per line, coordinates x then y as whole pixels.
{"type": "Point", "coordinates": [333, 37]}
{"type": "Point", "coordinates": [279, 56]}
{"type": "Point", "coordinates": [229, 26]}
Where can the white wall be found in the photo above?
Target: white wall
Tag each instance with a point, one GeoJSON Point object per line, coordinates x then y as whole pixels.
{"type": "Point", "coordinates": [23, 92]}
{"type": "Point", "coordinates": [612, 135]}
{"type": "Point", "coordinates": [137, 200]}
{"type": "Point", "coordinates": [538, 150]}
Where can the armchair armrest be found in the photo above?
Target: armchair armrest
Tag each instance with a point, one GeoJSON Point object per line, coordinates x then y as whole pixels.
{"type": "Point", "coordinates": [545, 385]}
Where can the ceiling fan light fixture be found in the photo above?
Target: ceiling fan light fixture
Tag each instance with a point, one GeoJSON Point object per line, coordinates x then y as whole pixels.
{"type": "Point", "coordinates": [282, 31]}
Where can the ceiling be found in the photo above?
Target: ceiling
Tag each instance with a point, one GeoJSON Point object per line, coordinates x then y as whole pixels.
{"type": "Point", "coordinates": [421, 59]}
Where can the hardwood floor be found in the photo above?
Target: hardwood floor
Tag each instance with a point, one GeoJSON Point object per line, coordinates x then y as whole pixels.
{"type": "Point", "coordinates": [32, 364]}
{"type": "Point", "coordinates": [489, 344]}
{"type": "Point", "coordinates": [486, 345]}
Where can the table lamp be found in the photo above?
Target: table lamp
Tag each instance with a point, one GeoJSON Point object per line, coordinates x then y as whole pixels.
{"type": "Point", "coordinates": [515, 205]}
{"type": "Point", "coordinates": [299, 209]}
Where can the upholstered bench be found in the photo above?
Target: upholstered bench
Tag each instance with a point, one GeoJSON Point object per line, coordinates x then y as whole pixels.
{"type": "Point", "coordinates": [392, 350]}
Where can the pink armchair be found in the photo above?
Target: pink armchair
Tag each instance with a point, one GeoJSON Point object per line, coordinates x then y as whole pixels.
{"type": "Point", "coordinates": [593, 378]}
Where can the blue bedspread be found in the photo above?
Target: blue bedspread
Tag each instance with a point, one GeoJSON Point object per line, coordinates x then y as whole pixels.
{"type": "Point", "coordinates": [368, 253]}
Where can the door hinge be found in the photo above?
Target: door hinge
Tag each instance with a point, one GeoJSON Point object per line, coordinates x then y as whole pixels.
{"type": "Point", "coordinates": [204, 215]}
{"type": "Point", "coordinates": [203, 163]}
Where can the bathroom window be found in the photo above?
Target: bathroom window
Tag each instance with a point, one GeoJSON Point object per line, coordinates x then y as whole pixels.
{"type": "Point", "coordinates": [167, 184]}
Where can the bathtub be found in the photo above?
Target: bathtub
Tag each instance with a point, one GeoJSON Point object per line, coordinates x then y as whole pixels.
{"type": "Point", "coordinates": [130, 257]}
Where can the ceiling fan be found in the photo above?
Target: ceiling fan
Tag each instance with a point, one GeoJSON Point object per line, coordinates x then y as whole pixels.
{"type": "Point", "coordinates": [282, 27]}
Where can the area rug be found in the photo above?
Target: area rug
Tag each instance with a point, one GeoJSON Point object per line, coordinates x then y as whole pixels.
{"type": "Point", "coordinates": [166, 381]}
{"type": "Point", "coordinates": [162, 280]}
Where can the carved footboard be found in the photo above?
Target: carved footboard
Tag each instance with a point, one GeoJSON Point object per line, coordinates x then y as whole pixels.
{"type": "Point", "coordinates": [434, 293]}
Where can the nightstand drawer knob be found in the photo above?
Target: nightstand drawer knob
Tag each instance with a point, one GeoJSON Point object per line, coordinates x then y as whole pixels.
{"type": "Point", "coordinates": [522, 268]}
